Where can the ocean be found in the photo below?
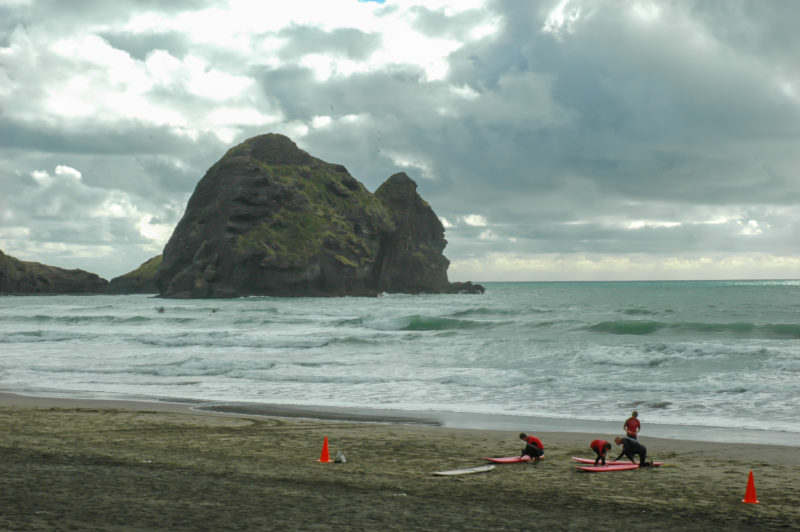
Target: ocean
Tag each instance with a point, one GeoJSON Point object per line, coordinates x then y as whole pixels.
{"type": "Point", "coordinates": [711, 360]}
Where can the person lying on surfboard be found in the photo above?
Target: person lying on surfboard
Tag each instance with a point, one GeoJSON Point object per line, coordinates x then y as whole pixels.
{"type": "Point", "coordinates": [630, 448]}
{"type": "Point", "coordinates": [600, 448]}
{"type": "Point", "coordinates": [533, 447]}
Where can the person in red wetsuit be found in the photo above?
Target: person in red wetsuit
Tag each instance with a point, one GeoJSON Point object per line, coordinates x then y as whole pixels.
{"type": "Point", "coordinates": [533, 447]}
{"type": "Point", "coordinates": [632, 425]}
{"type": "Point", "coordinates": [600, 447]}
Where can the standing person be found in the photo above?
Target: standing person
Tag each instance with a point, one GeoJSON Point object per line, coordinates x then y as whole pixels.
{"type": "Point", "coordinates": [600, 448]}
{"type": "Point", "coordinates": [533, 447]}
{"type": "Point", "coordinates": [632, 425]}
{"type": "Point", "coordinates": [630, 448]}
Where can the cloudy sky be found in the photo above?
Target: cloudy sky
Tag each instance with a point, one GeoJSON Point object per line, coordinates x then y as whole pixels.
{"type": "Point", "coordinates": [556, 140]}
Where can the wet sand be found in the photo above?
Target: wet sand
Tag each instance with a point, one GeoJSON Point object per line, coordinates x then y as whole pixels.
{"type": "Point", "coordinates": [121, 465]}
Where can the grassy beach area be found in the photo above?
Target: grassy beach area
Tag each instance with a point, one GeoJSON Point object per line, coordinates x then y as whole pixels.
{"type": "Point", "coordinates": [114, 465]}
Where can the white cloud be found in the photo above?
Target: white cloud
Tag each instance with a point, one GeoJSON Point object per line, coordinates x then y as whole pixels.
{"type": "Point", "coordinates": [211, 83]}
{"type": "Point", "coordinates": [42, 177]}
{"type": "Point", "coordinates": [66, 171]}
{"type": "Point", "coordinates": [115, 205]}
{"type": "Point", "coordinates": [241, 116]}
{"type": "Point", "coordinates": [751, 228]}
{"type": "Point", "coordinates": [464, 91]}
{"type": "Point", "coordinates": [641, 224]}
{"type": "Point", "coordinates": [14, 232]}
{"type": "Point", "coordinates": [162, 67]}
{"type": "Point", "coordinates": [157, 233]}
{"type": "Point", "coordinates": [562, 18]}
{"type": "Point", "coordinates": [488, 235]}
{"type": "Point", "coordinates": [475, 220]}
{"type": "Point", "coordinates": [413, 161]}
{"type": "Point", "coordinates": [320, 121]}
{"type": "Point", "coordinates": [327, 66]}
{"type": "Point", "coordinates": [646, 12]}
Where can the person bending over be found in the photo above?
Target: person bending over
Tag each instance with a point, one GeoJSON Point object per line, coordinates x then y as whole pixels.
{"type": "Point", "coordinates": [600, 448]}
{"type": "Point", "coordinates": [533, 446]}
{"type": "Point", "coordinates": [630, 448]}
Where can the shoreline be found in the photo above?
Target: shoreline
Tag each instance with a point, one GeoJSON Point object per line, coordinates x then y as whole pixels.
{"type": "Point", "coordinates": [453, 420]}
{"type": "Point", "coordinates": [771, 452]}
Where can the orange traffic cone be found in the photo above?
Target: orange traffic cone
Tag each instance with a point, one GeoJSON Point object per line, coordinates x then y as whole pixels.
{"type": "Point", "coordinates": [324, 457]}
{"type": "Point", "coordinates": [750, 493]}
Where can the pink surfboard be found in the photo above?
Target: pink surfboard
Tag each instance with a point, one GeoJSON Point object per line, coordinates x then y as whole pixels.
{"type": "Point", "coordinates": [609, 462]}
{"type": "Point", "coordinates": [509, 459]}
{"type": "Point", "coordinates": [603, 468]}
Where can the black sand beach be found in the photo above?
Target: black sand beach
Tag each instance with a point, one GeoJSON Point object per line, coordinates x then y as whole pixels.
{"type": "Point", "coordinates": [120, 465]}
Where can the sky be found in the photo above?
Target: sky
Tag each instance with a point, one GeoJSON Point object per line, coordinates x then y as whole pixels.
{"type": "Point", "coordinates": [555, 139]}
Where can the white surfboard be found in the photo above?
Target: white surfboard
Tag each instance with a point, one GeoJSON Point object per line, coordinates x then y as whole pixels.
{"type": "Point", "coordinates": [466, 470]}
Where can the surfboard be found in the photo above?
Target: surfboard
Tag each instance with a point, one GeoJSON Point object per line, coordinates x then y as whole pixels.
{"type": "Point", "coordinates": [510, 459]}
{"type": "Point", "coordinates": [609, 462]}
{"type": "Point", "coordinates": [466, 470]}
{"type": "Point", "coordinates": [601, 468]}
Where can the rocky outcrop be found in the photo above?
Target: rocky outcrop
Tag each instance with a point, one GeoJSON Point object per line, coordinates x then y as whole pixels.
{"type": "Point", "coordinates": [410, 257]}
{"type": "Point", "coordinates": [142, 280]}
{"type": "Point", "coordinates": [270, 219]}
{"type": "Point", "coordinates": [22, 277]}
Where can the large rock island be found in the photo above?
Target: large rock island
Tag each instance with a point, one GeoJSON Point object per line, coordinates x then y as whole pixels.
{"type": "Point", "coordinates": [270, 219]}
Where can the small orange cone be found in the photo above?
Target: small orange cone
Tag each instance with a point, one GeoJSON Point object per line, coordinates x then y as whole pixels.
{"type": "Point", "coordinates": [324, 457]}
{"type": "Point", "coordinates": [750, 493]}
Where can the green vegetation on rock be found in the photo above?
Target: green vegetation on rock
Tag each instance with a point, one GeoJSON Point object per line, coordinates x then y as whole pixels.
{"type": "Point", "coordinates": [291, 238]}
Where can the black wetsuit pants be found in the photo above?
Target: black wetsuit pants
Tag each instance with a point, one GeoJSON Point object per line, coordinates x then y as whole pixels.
{"type": "Point", "coordinates": [532, 451]}
{"type": "Point", "coordinates": [641, 451]}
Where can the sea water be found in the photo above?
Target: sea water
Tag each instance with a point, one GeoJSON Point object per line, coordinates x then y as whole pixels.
{"type": "Point", "coordinates": [717, 359]}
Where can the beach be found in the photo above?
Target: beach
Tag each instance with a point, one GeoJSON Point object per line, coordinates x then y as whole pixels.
{"type": "Point", "coordinates": [73, 464]}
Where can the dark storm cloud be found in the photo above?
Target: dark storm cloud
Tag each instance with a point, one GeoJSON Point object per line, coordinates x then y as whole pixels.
{"type": "Point", "coordinates": [646, 115]}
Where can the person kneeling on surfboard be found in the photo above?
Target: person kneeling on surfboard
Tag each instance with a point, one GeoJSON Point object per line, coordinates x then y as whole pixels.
{"type": "Point", "coordinates": [533, 446]}
{"type": "Point", "coordinates": [600, 448]}
{"type": "Point", "coordinates": [630, 448]}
